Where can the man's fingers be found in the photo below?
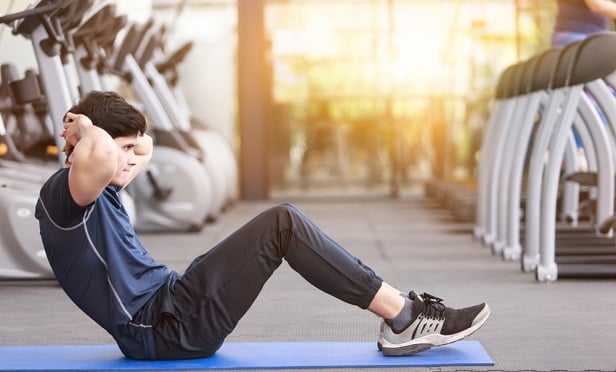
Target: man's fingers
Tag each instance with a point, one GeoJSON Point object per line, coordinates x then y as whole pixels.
{"type": "Point", "coordinates": [69, 117]}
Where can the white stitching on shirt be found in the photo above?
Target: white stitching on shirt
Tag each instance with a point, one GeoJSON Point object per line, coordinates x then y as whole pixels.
{"type": "Point", "coordinates": [140, 325]}
{"type": "Point", "coordinates": [54, 222]}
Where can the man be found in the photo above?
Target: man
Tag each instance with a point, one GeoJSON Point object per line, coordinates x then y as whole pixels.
{"type": "Point", "coordinates": [155, 313]}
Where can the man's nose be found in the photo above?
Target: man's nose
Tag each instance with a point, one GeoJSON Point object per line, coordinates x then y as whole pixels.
{"type": "Point", "coordinates": [132, 159]}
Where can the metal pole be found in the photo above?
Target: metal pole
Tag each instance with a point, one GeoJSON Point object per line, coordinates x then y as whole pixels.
{"type": "Point", "coordinates": [253, 101]}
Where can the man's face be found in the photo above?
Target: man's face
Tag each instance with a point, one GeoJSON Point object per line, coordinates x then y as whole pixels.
{"type": "Point", "coordinates": [126, 159]}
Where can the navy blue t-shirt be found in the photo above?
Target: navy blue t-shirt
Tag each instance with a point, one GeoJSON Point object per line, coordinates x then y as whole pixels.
{"type": "Point", "coordinates": [100, 263]}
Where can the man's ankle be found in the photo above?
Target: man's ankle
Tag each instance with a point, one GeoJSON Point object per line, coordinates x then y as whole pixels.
{"type": "Point", "coordinates": [401, 321]}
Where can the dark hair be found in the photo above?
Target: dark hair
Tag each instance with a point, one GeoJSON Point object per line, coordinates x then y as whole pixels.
{"type": "Point", "coordinates": [111, 112]}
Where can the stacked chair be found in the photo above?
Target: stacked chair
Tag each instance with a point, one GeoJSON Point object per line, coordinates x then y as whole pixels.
{"type": "Point", "coordinates": [535, 203]}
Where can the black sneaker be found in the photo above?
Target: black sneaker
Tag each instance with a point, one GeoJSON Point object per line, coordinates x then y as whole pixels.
{"type": "Point", "coordinates": [433, 324]}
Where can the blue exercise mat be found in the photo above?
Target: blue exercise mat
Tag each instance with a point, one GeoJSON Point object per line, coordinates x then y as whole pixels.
{"type": "Point", "coordinates": [241, 355]}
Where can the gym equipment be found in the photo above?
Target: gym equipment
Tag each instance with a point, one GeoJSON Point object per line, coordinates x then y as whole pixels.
{"type": "Point", "coordinates": [21, 175]}
{"type": "Point", "coordinates": [564, 91]}
{"type": "Point", "coordinates": [218, 147]}
{"type": "Point", "coordinates": [215, 158]}
{"type": "Point", "coordinates": [159, 207]}
{"type": "Point", "coordinates": [97, 26]}
{"type": "Point", "coordinates": [26, 141]}
{"type": "Point", "coordinates": [25, 109]}
{"type": "Point", "coordinates": [93, 46]}
{"type": "Point", "coordinates": [44, 24]}
{"type": "Point", "coordinates": [492, 141]}
{"type": "Point", "coordinates": [516, 133]}
{"type": "Point", "coordinates": [21, 251]}
{"type": "Point", "coordinates": [582, 70]}
{"type": "Point", "coordinates": [527, 94]}
{"type": "Point", "coordinates": [536, 77]}
{"type": "Point", "coordinates": [186, 203]}
{"type": "Point", "coordinates": [593, 255]}
{"type": "Point", "coordinates": [243, 355]}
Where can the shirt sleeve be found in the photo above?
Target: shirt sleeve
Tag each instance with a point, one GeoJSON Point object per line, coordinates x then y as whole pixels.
{"type": "Point", "coordinates": [57, 200]}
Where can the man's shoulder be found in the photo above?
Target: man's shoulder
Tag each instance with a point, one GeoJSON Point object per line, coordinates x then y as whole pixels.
{"type": "Point", "coordinates": [55, 198]}
{"type": "Point", "coordinates": [57, 178]}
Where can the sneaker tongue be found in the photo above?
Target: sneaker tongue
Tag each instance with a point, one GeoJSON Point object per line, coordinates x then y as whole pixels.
{"type": "Point", "coordinates": [414, 296]}
{"type": "Point", "coordinates": [418, 306]}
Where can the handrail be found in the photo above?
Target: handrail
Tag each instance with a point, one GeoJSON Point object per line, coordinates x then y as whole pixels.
{"type": "Point", "coordinates": [6, 19]}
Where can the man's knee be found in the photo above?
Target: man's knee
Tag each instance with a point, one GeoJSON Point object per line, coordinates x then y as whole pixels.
{"type": "Point", "coordinates": [285, 209]}
{"type": "Point", "coordinates": [285, 217]}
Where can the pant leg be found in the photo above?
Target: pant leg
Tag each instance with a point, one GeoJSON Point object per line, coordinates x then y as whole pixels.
{"type": "Point", "coordinates": [207, 302]}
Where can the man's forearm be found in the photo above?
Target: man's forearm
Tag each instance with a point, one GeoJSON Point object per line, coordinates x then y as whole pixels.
{"type": "Point", "coordinates": [93, 147]}
{"type": "Point", "coordinates": [144, 146]}
{"type": "Point", "coordinates": [143, 153]}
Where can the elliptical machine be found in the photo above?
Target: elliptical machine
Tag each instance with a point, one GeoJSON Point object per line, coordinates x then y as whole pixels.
{"type": "Point", "coordinates": [174, 192]}
{"type": "Point", "coordinates": [161, 70]}
{"type": "Point", "coordinates": [21, 251]}
{"type": "Point", "coordinates": [25, 111]}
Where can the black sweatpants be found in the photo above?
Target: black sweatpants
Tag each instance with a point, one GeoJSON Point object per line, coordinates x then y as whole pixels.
{"type": "Point", "coordinates": [195, 313]}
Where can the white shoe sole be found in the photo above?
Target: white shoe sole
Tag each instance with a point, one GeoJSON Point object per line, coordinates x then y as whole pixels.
{"type": "Point", "coordinates": [429, 341]}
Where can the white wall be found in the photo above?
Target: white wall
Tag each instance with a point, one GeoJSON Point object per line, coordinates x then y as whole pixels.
{"type": "Point", "coordinates": [15, 49]}
{"type": "Point", "coordinates": [208, 74]}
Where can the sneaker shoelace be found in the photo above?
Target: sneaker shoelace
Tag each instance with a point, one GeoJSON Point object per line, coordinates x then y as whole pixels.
{"type": "Point", "coordinates": [433, 306]}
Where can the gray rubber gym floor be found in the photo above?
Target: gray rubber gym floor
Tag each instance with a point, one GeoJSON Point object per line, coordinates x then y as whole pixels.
{"type": "Point", "coordinates": [412, 243]}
